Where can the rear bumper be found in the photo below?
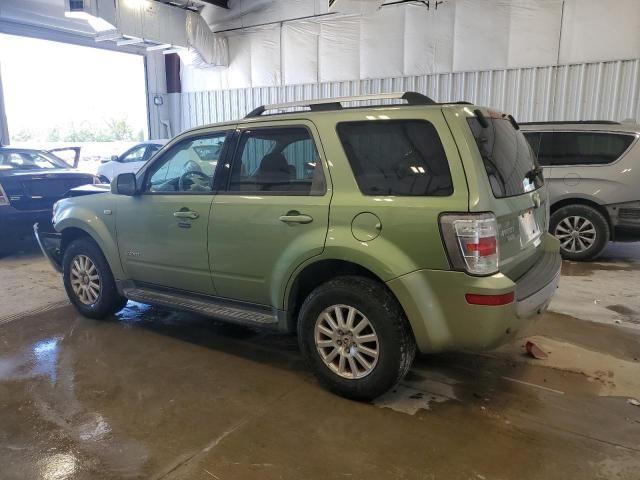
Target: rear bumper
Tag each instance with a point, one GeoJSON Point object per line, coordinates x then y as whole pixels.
{"type": "Point", "coordinates": [441, 318]}
{"type": "Point", "coordinates": [49, 243]}
{"type": "Point", "coordinates": [16, 224]}
{"type": "Point", "coordinates": [625, 215]}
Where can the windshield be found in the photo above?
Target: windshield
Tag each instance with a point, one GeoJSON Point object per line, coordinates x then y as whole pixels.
{"type": "Point", "coordinates": [30, 160]}
{"type": "Point", "coordinates": [508, 159]}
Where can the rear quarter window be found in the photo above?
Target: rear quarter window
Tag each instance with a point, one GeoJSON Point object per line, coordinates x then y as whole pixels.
{"type": "Point", "coordinates": [396, 157]}
{"type": "Point", "coordinates": [508, 158]}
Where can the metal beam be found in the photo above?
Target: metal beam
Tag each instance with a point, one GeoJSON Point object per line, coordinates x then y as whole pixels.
{"type": "Point", "coordinates": [218, 3]}
{"type": "Point", "coordinates": [162, 46]}
{"type": "Point", "coordinates": [129, 41]}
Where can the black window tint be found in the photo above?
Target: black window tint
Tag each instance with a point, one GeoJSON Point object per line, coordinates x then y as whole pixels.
{"type": "Point", "coordinates": [582, 148]}
{"type": "Point", "coordinates": [277, 160]}
{"type": "Point", "coordinates": [508, 159]}
{"type": "Point", "coordinates": [534, 140]}
{"type": "Point", "coordinates": [396, 157]}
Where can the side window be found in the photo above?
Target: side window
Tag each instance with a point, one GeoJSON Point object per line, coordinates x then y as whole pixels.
{"type": "Point", "coordinates": [534, 140]}
{"type": "Point", "coordinates": [188, 166]}
{"type": "Point", "coordinates": [151, 151]}
{"type": "Point", "coordinates": [135, 155]}
{"type": "Point", "coordinates": [582, 148]}
{"type": "Point", "coordinates": [278, 160]}
{"type": "Point", "coordinates": [396, 157]}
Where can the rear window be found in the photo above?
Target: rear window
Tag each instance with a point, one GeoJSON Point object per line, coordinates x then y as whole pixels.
{"type": "Point", "coordinates": [507, 157]}
{"type": "Point", "coordinates": [578, 148]}
{"type": "Point", "coordinates": [396, 157]}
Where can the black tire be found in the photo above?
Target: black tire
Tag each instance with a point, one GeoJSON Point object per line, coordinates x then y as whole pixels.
{"type": "Point", "coordinates": [396, 345]}
{"type": "Point", "coordinates": [597, 219]}
{"type": "Point", "coordinates": [108, 299]}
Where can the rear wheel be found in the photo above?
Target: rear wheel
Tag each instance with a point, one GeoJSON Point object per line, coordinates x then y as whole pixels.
{"type": "Point", "coordinates": [582, 230]}
{"type": "Point", "coordinates": [88, 280]}
{"type": "Point", "coordinates": [355, 337]}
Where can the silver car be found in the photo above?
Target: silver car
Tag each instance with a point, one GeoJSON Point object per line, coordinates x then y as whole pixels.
{"type": "Point", "coordinates": [593, 173]}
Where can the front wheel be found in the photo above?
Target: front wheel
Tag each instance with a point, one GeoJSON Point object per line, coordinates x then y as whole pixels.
{"type": "Point", "coordinates": [88, 280]}
{"type": "Point", "coordinates": [355, 337]}
{"type": "Point", "coordinates": [582, 230]}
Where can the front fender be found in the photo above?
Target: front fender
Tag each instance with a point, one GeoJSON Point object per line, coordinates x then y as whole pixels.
{"type": "Point", "coordinates": [99, 228]}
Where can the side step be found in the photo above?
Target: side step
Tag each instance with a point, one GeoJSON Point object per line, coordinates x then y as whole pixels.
{"type": "Point", "coordinates": [222, 309]}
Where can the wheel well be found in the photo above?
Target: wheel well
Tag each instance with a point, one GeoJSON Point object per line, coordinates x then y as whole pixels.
{"type": "Point", "coordinates": [69, 235]}
{"type": "Point", "coordinates": [315, 275]}
{"type": "Point", "coordinates": [581, 201]}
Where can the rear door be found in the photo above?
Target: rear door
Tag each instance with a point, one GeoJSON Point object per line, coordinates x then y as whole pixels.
{"type": "Point", "coordinates": [272, 212]}
{"type": "Point", "coordinates": [510, 184]}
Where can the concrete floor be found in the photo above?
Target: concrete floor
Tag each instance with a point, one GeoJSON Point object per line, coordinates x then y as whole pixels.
{"type": "Point", "coordinates": [162, 395]}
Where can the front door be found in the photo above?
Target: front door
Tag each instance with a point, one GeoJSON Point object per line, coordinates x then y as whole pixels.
{"type": "Point", "coordinates": [162, 232]}
{"type": "Point", "coordinates": [273, 215]}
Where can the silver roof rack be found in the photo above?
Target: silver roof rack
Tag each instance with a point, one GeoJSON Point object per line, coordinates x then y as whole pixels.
{"type": "Point", "coordinates": [412, 98]}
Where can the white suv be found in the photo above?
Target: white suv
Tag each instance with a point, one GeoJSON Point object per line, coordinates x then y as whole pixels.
{"type": "Point", "coordinates": [130, 161]}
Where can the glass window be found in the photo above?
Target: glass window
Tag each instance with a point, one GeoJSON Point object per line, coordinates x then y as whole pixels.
{"type": "Point", "coordinates": [581, 148]}
{"type": "Point", "coordinates": [135, 155]}
{"type": "Point", "coordinates": [188, 166]}
{"type": "Point", "coordinates": [397, 157]}
{"type": "Point", "coordinates": [30, 160]}
{"type": "Point", "coordinates": [277, 160]}
{"type": "Point", "coordinates": [151, 151]}
{"type": "Point", "coordinates": [508, 159]}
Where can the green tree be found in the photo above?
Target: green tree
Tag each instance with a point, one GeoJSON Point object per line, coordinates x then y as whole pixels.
{"type": "Point", "coordinates": [23, 135]}
{"type": "Point", "coordinates": [119, 129]}
{"type": "Point", "coordinates": [54, 134]}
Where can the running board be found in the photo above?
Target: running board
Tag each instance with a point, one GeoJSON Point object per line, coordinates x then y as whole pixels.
{"type": "Point", "coordinates": [235, 312]}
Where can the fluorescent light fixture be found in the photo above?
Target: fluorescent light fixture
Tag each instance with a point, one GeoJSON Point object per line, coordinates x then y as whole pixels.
{"type": "Point", "coordinates": [98, 24]}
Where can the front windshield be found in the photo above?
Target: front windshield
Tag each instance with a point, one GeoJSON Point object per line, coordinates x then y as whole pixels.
{"type": "Point", "coordinates": [30, 160]}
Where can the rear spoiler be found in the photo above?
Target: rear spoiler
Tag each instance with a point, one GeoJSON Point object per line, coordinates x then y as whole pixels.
{"type": "Point", "coordinates": [76, 157]}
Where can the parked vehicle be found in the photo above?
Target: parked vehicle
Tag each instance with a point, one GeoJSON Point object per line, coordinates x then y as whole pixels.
{"type": "Point", "coordinates": [369, 231]}
{"type": "Point", "coordinates": [593, 176]}
{"type": "Point", "coordinates": [129, 161]}
{"type": "Point", "coordinates": [30, 182]}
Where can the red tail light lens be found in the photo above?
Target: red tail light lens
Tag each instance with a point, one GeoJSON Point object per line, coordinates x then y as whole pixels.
{"type": "Point", "coordinates": [484, 246]}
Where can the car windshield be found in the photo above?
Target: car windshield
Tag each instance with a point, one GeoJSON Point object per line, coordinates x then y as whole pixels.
{"type": "Point", "coordinates": [30, 160]}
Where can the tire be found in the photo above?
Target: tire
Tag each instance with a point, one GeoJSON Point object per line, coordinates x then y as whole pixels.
{"type": "Point", "coordinates": [582, 230]}
{"type": "Point", "coordinates": [107, 300]}
{"type": "Point", "coordinates": [370, 301]}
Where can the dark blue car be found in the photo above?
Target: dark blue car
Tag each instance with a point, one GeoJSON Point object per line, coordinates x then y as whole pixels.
{"type": "Point", "coordinates": [31, 181]}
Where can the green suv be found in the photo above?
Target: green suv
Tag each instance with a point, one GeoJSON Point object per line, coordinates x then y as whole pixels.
{"type": "Point", "coordinates": [370, 231]}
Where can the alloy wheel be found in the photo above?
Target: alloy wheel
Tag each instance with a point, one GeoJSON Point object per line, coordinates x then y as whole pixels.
{"type": "Point", "coordinates": [576, 234]}
{"type": "Point", "coordinates": [85, 279]}
{"type": "Point", "coordinates": [346, 341]}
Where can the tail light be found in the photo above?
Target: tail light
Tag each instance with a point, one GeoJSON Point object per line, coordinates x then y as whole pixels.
{"type": "Point", "coordinates": [4, 200]}
{"type": "Point", "coordinates": [472, 242]}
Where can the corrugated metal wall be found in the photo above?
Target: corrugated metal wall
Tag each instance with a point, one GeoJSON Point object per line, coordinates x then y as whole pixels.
{"type": "Point", "coordinates": [603, 91]}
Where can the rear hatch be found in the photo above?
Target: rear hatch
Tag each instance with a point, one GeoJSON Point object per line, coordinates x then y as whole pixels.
{"type": "Point", "coordinates": [510, 185]}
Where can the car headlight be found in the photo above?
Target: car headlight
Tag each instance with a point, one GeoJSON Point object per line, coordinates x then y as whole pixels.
{"type": "Point", "coordinates": [4, 199]}
{"type": "Point", "coordinates": [56, 206]}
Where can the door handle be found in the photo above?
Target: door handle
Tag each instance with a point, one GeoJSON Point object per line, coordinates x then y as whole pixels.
{"type": "Point", "coordinates": [186, 214]}
{"type": "Point", "coordinates": [295, 217]}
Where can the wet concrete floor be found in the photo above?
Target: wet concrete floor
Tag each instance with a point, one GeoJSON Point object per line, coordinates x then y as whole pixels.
{"type": "Point", "coordinates": [161, 395]}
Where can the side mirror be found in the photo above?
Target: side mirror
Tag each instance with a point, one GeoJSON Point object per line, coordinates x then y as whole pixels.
{"type": "Point", "coordinates": [115, 158]}
{"type": "Point", "coordinates": [124, 184]}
